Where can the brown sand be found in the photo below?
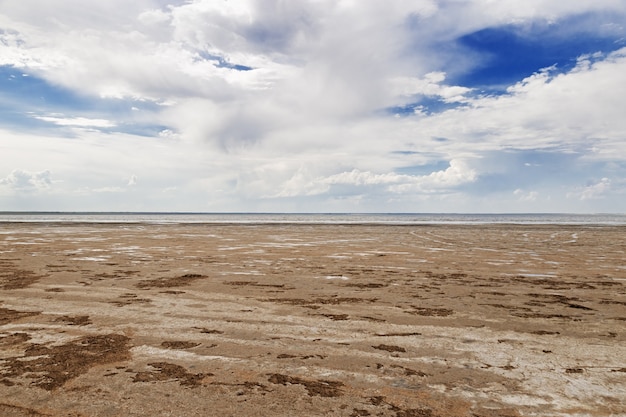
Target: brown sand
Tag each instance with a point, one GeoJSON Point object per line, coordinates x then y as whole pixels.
{"type": "Point", "coordinates": [311, 320]}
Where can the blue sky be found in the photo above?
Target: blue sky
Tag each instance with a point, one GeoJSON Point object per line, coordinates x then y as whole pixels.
{"type": "Point", "coordinates": [313, 106]}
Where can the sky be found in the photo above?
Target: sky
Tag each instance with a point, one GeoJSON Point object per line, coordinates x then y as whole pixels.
{"type": "Point", "coordinates": [478, 106]}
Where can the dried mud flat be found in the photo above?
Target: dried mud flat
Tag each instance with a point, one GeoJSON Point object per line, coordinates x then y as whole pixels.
{"type": "Point", "coordinates": [333, 320]}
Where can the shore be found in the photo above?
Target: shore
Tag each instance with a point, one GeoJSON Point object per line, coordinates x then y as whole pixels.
{"type": "Point", "coordinates": [307, 320]}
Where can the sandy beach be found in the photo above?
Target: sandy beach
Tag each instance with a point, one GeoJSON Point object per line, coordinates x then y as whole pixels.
{"type": "Point", "coordinates": [312, 320]}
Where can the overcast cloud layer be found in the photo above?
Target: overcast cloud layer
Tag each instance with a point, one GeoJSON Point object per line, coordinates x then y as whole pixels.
{"type": "Point", "coordinates": [313, 106]}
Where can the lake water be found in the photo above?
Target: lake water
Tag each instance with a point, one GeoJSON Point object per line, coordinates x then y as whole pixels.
{"type": "Point", "coordinates": [315, 218]}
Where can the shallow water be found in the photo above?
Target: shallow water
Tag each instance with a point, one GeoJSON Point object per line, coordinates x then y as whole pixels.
{"type": "Point", "coordinates": [314, 218]}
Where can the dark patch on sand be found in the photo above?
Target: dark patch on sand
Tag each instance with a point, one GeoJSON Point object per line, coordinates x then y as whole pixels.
{"type": "Point", "coordinates": [336, 317]}
{"type": "Point", "coordinates": [367, 285]}
{"type": "Point", "coordinates": [180, 281]}
{"type": "Point", "coordinates": [209, 331]}
{"type": "Point", "coordinates": [17, 279]}
{"type": "Point", "coordinates": [74, 320]}
{"type": "Point", "coordinates": [616, 302]}
{"type": "Point", "coordinates": [128, 299]}
{"type": "Point", "coordinates": [7, 315]}
{"type": "Point", "coordinates": [580, 307]}
{"type": "Point", "coordinates": [390, 348]}
{"type": "Point", "coordinates": [545, 332]}
{"type": "Point", "coordinates": [410, 372]}
{"type": "Point", "coordinates": [288, 356]}
{"type": "Point", "coordinates": [179, 344]}
{"type": "Point", "coordinates": [51, 367]}
{"type": "Point", "coordinates": [436, 312]}
{"type": "Point", "coordinates": [374, 319]}
{"type": "Point", "coordinates": [168, 372]}
{"type": "Point", "coordinates": [14, 339]}
{"type": "Point", "coordinates": [9, 410]}
{"type": "Point", "coordinates": [322, 388]}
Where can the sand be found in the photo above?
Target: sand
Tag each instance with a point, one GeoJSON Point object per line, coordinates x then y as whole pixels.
{"type": "Point", "coordinates": [312, 320]}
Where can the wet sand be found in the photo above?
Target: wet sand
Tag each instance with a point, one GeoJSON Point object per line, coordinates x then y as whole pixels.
{"type": "Point", "coordinates": [312, 320]}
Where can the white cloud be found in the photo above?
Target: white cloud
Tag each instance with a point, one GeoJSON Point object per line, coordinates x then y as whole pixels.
{"type": "Point", "coordinates": [526, 195]}
{"type": "Point", "coordinates": [431, 86]}
{"type": "Point", "coordinates": [458, 173]}
{"type": "Point", "coordinates": [77, 121]}
{"type": "Point", "coordinates": [595, 190]}
{"type": "Point", "coordinates": [21, 180]}
{"type": "Point", "coordinates": [107, 190]}
{"type": "Point", "coordinates": [546, 110]}
{"type": "Point", "coordinates": [153, 17]}
{"type": "Point", "coordinates": [308, 118]}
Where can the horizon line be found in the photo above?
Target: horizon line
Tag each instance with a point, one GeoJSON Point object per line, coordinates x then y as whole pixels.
{"type": "Point", "coordinates": [86, 212]}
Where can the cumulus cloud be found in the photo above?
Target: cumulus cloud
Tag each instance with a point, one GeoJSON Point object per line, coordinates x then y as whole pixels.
{"type": "Point", "coordinates": [248, 101]}
{"type": "Point", "coordinates": [546, 110]}
{"type": "Point", "coordinates": [457, 174]}
{"type": "Point", "coordinates": [595, 190]}
{"type": "Point", "coordinates": [21, 180]}
{"type": "Point", "coordinates": [431, 86]}
{"type": "Point", "coordinates": [526, 195]}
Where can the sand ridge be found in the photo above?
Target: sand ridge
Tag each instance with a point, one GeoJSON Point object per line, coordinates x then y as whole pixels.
{"type": "Point", "coordinates": [346, 320]}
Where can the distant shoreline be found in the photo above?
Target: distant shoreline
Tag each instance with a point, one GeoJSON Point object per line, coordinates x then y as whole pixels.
{"type": "Point", "coordinates": [313, 218]}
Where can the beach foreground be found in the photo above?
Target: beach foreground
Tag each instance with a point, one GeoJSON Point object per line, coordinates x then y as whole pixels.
{"type": "Point", "coordinates": [304, 320]}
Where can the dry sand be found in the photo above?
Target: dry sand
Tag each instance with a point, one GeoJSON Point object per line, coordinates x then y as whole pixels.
{"type": "Point", "coordinates": [311, 320]}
